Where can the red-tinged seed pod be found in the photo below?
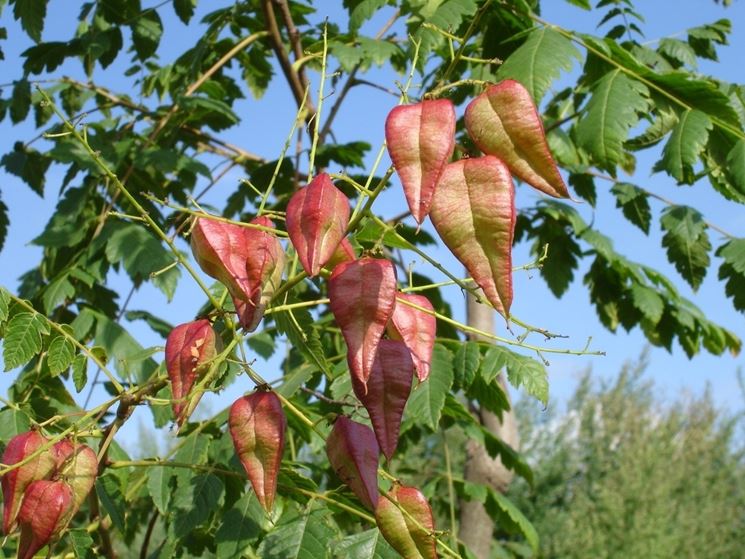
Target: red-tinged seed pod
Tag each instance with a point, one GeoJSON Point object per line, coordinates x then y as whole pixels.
{"type": "Point", "coordinates": [353, 454]}
{"type": "Point", "coordinates": [77, 464]}
{"type": "Point", "coordinates": [503, 121]}
{"type": "Point", "coordinates": [257, 426]}
{"type": "Point", "coordinates": [15, 482]}
{"type": "Point", "coordinates": [416, 328]}
{"type": "Point", "coordinates": [189, 349]}
{"type": "Point", "coordinates": [317, 218]}
{"type": "Point", "coordinates": [386, 392]}
{"type": "Point", "coordinates": [474, 213]}
{"type": "Point", "coordinates": [413, 540]}
{"type": "Point", "coordinates": [344, 253]}
{"type": "Point", "coordinates": [420, 140]}
{"type": "Point", "coordinates": [249, 261]}
{"type": "Point", "coordinates": [46, 510]}
{"type": "Point", "coordinates": [362, 296]}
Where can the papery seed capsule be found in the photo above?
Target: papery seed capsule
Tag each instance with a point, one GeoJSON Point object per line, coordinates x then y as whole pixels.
{"type": "Point", "coordinates": [353, 454]}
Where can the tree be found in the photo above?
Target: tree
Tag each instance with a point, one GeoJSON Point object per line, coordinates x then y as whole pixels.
{"type": "Point", "coordinates": [137, 165]}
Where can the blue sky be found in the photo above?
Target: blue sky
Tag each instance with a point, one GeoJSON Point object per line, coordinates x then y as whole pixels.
{"type": "Point", "coordinates": [265, 127]}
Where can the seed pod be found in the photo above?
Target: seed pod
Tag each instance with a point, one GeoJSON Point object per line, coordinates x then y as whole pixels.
{"type": "Point", "coordinates": [317, 218]}
{"type": "Point", "coordinates": [257, 426]}
{"type": "Point", "coordinates": [416, 329]}
{"type": "Point", "coordinates": [77, 464]}
{"type": "Point", "coordinates": [386, 392]}
{"type": "Point", "coordinates": [353, 454]}
{"type": "Point", "coordinates": [344, 253]}
{"type": "Point", "coordinates": [188, 348]}
{"type": "Point", "coordinates": [474, 214]}
{"type": "Point", "coordinates": [362, 296]}
{"type": "Point", "coordinates": [420, 140]}
{"type": "Point", "coordinates": [504, 122]}
{"type": "Point", "coordinates": [404, 535]}
{"type": "Point", "coordinates": [46, 510]}
{"type": "Point", "coordinates": [248, 261]}
{"type": "Point", "coordinates": [15, 482]}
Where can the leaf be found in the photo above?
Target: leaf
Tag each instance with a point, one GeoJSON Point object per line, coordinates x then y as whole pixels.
{"type": "Point", "coordinates": [111, 497]}
{"type": "Point", "coordinates": [298, 326]}
{"type": "Point", "coordinates": [687, 242]}
{"type": "Point", "coordinates": [584, 187]}
{"type": "Point", "coordinates": [634, 204]}
{"type": "Point", "coordinates": [428, 398]}
{"type": "Point", "coordinates": [13, 422]}
{"type": "Point", "coordinates": [732, 271]}
{"type": "Point", "coordinates": [684, 146]}
{"type": "Point", "coordinates": [539, 61]}
{"type": "Point", "coordinates": [611, 112]}
{"type": "Point", "coordinates": [521, 371]}
{"type": "Point", "coordinates": [298, 536]}
{"type": "Point", "coordinates": [365, 545]}
{"type": "Point", "coordinates": [32, 14]}
{"type": "Point", "coordinates": [23, 337]}
{"type": "Point", "coordinates": [80, 372]}
{"type": "Point", "coordinates": [4, 224]}
{"type": "Point", "coordinates": [29, 165]}
{"type": "Point", "coordinates": [184, 9]}
{"type": "Point", "coordinates": [4, 304]}
{"type": "Point", "coordinates": [360, 12]}
{"type": "Point", "coordinates": [146, 32]}
{"type": "Point", "coordinates": [195, 501]}
{"type": "Point", "coordinates": [159, 487]}
{"type": "Point", "coordinates": [239, 527]}
{"type": "Point", "coordinates": [60, 354]}
{"type": "Point", "coordinates": [57, 292]}
{"type": "Point", "coordinates": [474, 213]}
{"type": "Point", "coordinates": [735, 167]}
{"type": "Point", "coordinates": [157, 324]}
{"type": "Point", "coordinates": [466, 363]}
{"type": "Point", "coordinates": [130, 359]}
{"type": "Point", "coordinates": [648, 301]}
{"type": "Point", "coordinates": [81, 542]}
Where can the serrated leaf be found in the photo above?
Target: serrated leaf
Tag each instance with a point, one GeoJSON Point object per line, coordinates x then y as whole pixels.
{"type": "Point", "coordinates": [146, 32]}
{"type": "Point", "coordinates": [678, 50]}
{"type": "Point", "coordinates": [4, 224]}
{"type": "Point", "coordinates": [194, 502]}
{"type": "Point", "coordinates": [648, 301]}
{"type": "Point", "coordinates": [32, 14]}
{"type": "Point", "coordinates": [82, 543]}
{"type": "Point", "coordinates": [57, 292]}
{"type": "Point", "coordinates": [539, 61]}
{"type": "Point", "coordinates": [611, 112]}
{"type": "Point", "coordinates": [4, 304]}
{"type": "Point", "coordinates": [159, 487]}
{"type": "Point", "coordinates": [301, 536]}
{"type": "Point", "coordinates": [60, 355]}
{"type": "Point", "coordinates": [428, 397]}
{"type": "Point", "coordinates": [110, 494]}
{"type": "Point", "coordinates": [157, 324]}
{"type": "Point", "coordinates": [732, 271]}
{"type": "Point", "coordinates": [687, 243]}
{"type": "Point", "coordinates": [634, 204]}
{"type": "Point", "coordinates": [365, 545]}
{"type": "Point", "coordinates": [466, 363]}
{"type": "Point", "coordinates": [184, 9]}
{"type": "Point", "coordinates": [684, 146]}
{"type": "Point", "coordinates": [735, 167]}
{"type": "Point", "coordinates": [23, 337]}
{"type": "Point", "coordinates": [297, 325]}
{"type": "Point", "coordinates": [239, 527]}
{"type": "Point", "coordinates": [522, 371]}
{"type": "Point", "coordinates": [80, 372]}
{"type": "Point", "coordinates": [362, 11]}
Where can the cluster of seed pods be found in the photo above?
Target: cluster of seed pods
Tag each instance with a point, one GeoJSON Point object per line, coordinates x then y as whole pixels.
{"type": "Point", "coordinates": [389, 334]}
{"type": "Point", "coordinates": [44, 492]}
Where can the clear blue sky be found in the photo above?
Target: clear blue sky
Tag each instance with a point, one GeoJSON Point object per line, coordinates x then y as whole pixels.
{"type": "Point", "coordinates": [264, 130]}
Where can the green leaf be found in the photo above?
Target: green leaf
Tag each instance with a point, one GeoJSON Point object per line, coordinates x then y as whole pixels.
{"type": "Point", "coordinates": [4, 223]}
{"type": "Point", "coordinates": [238, 528]}
{"type": "Point", "coordinates": [29, 165]}
{"type": "Point", "coordinates": [362, 11]}
{"type": "Point", "coordinates": [142, 255]}
{"type": "Point", "coordinates": [634, 204]}
{"type": "Point", "coordinates": [184, 9]}
{"type": "Point", "coordinates": [32, 14]}
{"type": "Point", "coordinates": [648, 301]}
{"type": "Point", "coordinates": [159, 487]}
{"type": "Point", "coordinates": [57, 292]}
{"type": "Point", "coordinates": [60, 354]}
{"type": "Point", "coordinates": [687, 242]}
{"type": "Point", "coordinates": [539, 61]}
{"type": "Point", "coordinates": [298, 536]}
{"type": "Point", "coordinates": [732, 271]}
{"type": "Point", "coordinates": [44, 57]}
{"type": "Point", "coordinates": [146, 32]}
{"type": "Point", "coordinates": [735, 167]}
{"type": "Point", "coordinates": [365, 545]}
{"type": "Point", "coordinates": [298, 326]}
{"type": "Point", "coordinates": [110, 494]}
{"type": "Point", "coordinates": [611, 112]}
{"type": "Point", "coordinates": [262, 343]}
{"type": "Point", "coordinates": [428, 398]}
{"type": "Point", "coordinates": [194, 502]}
{"type": "Point", "coordinates": [23, 337]}
{"type": "Point", "coordinates": [4, 304]}
{"type": "Point", "coordinates": [677, 50]}
{"type": "Point", "coordinates": [81, 542]}
{"type": "Point", "coordinates": [158, 325]}
{"type": "Point", "coordinates": [13, 422]}
{"type": "Point", "coordinates": [523, 371]}
{"type": "Point", "coordinates": [296, 378]}
{"type": "Point", "coordinates": [584, 187]}
{"type": "Point", "coordinates": [466, 363]}
{"type": "Point", "coordinates": [80, 372]}
{"type": "Point", "coordinates": [684, 146]}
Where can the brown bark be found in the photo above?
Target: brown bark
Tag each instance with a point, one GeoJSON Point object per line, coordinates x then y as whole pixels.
{"type": "Point", "coordinates": [479, 466]}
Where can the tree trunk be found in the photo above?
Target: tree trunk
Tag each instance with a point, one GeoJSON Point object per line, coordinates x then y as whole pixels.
{"type": "Point", "coordinates": [480, 467]}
